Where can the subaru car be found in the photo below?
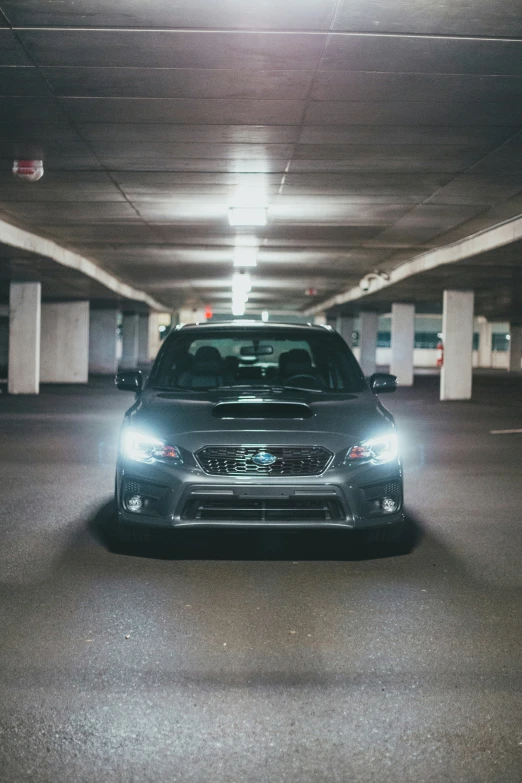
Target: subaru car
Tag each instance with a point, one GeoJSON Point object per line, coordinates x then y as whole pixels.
{"type": "Point", "coordinates": [252, 424]}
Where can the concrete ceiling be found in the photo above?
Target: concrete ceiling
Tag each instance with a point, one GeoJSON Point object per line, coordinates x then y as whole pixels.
{"type": "Point", "coordinates": [377, 129]}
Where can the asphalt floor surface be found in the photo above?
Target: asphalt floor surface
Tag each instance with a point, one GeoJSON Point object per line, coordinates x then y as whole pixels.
{"type": "Point", "coordinates": [250, 657]}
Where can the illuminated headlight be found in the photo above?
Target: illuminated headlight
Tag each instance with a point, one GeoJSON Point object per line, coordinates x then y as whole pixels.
{"type": "Point", "coordinates": [377, 450]}
{"type": "Point", "coordinates": [144, 448]}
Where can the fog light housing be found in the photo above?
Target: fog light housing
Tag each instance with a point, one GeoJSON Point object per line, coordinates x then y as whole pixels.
{"type": "Point", "coordinates": [389, 505]}
{"type": "Point", "coordinates": [134, 503]}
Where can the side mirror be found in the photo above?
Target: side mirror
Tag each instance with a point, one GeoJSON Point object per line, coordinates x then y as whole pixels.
{"type": "Point", "coordinates": [129, 380]}
{"type": "Point", "coordinates": [383, 382]}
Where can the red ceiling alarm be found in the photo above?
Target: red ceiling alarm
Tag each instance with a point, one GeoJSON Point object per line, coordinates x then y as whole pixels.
{"type": "Point", "coordinates": [311, 292]}
{"type": "Point", "coordinates": [28, 170]}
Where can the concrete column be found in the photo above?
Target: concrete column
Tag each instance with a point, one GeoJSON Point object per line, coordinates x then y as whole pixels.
{"type": "Point", "coordinates": [155, 321]}
{"type": "Point", "coordinates": [4, 341]}
{"type": "Point", "coordinates": [515, 347]}
{"type": "Point", "coordinates": [64, 347]}
{"type": "Point", "coordinates": [24, 338]}
{"type": "Point", "coordinates": [402, 342]}
{"type": "Point", "coordinates": [368, 340]}
{"type": "Point", "coordinates": [344, 326]}
{"type": "Point", "coordinates": [485, 350]}
{"type": "Point", "coordinates": [457, 336]}
{"type": "Point", "coordinates": [130, 340]}
{"type": "Point", "coordinates": [143, 338]}
{"type": "Point", "coordinates": [103, 327]}
{"type": "Point", "coordinates": [191, 316]}
{"type": "Point", "coordinates": [320, 318]}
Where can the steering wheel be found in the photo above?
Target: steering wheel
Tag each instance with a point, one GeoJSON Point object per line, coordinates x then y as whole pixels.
{"type": "Point", "coordinates": [304, 375]}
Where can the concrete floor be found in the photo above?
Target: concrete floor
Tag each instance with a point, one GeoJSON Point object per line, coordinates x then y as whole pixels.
{"type": "Point", "coordinates": [234, 658]}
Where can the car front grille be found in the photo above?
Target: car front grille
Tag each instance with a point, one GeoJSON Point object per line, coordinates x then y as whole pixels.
{"type": "Point", "coordinates": [238, 460]}
{"type": "Point", "coordinates": [259, 511]}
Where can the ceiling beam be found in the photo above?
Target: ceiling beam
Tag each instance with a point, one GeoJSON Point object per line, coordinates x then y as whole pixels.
{"type": "Point", "coordinates": [33, 243]}
{"type": "Point", "coordinates": [491, 238]}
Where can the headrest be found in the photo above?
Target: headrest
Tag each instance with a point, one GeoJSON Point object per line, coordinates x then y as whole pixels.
{"type": "Point", "coordinates": [298, 356]}
{"type": "Point", "coordinates": [297, 361]}
{"type": "Point", "coordinates": [207, 353]}
{"type": "Point", "coordinates": [207, 361]}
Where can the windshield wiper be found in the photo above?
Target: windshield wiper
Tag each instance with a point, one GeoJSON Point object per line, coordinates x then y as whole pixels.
{"type": "Point", "coordinates": [244, 386]}
{"type": "Point", "coordinates": [283, 387]}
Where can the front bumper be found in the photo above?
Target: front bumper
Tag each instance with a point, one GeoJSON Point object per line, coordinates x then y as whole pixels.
{"type": "Point", "coordinates": [178, 496]}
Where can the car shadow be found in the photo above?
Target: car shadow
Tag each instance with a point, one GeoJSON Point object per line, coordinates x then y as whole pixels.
{"type": "Point", "coordinates": [263, 544]}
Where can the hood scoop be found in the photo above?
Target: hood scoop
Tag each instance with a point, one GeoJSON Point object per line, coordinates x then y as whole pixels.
{"type": "Point", "coordinates": [260, 409]}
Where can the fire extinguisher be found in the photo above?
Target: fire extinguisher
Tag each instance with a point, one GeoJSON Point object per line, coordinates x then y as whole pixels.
{"type": "Point", "coordinates": [440, 353]}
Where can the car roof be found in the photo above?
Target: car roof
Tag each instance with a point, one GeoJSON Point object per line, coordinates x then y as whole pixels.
{"type": "Point", "coordinates": [255, 324]}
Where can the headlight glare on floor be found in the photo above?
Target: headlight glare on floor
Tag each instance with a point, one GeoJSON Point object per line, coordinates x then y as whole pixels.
{"type": "Point", "coordinates": [379, 450]}
{"type": "Point", "coordinates": [144, 448]}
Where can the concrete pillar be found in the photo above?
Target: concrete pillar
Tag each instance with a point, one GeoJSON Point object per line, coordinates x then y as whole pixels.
{"type": "Point", "coordinates": [485, 350]}
{"type": "Point", "coordinates": [155, 321]}
{"type": "Point", "coordinates": [189, 315]}
{"type": "Point", "coordinates": [320, 319]}
{"type": "Point", "coordinates": [103, 328]}
{"type": "Point", "coordinates": [64, 347]}
{"type": "Point", "coordinates": [515, 347]}
{"type": "Point", "coordinates": [457, 336]}
{"type": "Point", "coordinates": [368, 341]}
{"type": "Point", "coordinates": [143, 338]}
{"type": "Point", "coordinates": [4, 341]}
{"type": "Point", "coordinates": [402, 342]}
{"type": "Point", "coordinates": [344, 326]}
{"type": "Point", "coordinates": [130, 340]}
{"type": "Point", "coordinates": [24, 338]}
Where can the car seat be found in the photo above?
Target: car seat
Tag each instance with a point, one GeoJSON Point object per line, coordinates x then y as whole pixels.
{"type": "Point", "coordinates": [207, 370]}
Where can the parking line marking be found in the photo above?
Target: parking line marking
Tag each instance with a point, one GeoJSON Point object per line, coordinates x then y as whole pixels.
{"type": "Point", "coordinates": [503, 432]}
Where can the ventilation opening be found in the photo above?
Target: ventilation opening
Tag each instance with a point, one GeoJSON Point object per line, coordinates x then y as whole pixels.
{"type": "Point", "coordinates": [261, 410]}
{"type": "Point", "coordinates": [241, 510]}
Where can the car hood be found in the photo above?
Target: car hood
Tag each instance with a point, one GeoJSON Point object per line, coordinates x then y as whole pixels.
{"type": "Point", "coordinates": [249, 419]}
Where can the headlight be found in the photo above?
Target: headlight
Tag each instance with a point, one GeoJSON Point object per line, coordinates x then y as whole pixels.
{"type": "Point", "coordinates": [378, 450]}
{"type": "Point", "coordinates": [144, 448]}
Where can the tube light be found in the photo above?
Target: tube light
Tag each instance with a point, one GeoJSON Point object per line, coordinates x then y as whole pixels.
{"type": "Point", "coordinates": [245, 256]}
{"type": "Point", "coordinates": [247, 216]}
{"type": "Point", "coordinates": [241, 282]}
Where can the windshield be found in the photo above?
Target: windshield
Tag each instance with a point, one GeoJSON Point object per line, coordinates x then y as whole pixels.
{"type": "Point", "coordinates": [210, 359]}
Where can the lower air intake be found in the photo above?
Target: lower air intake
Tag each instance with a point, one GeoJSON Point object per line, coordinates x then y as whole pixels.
{"type": "Point", "coordinates": [258, 511]}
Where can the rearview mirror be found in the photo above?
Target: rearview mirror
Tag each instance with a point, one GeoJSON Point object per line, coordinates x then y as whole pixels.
{"type": "Point", "coordinates": [129, 380]}
{"type": "Point", "coordinates": [383, 382]}
{"type": "Point", "coordinates": [260, 350]}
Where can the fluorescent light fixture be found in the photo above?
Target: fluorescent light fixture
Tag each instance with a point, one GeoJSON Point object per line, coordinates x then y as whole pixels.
{"type": "Point", "coordinates": [241, 282]}
{"type": "Point", "coordinates": [247, 216]}
{"type": "Point", "coordinates": [246, 240]}
{"type": "Point", "coordinates": [264, 315]}
{"type": "Point", "coordinates": [238, 305]}
{"type": "Point", "coordinates": [245, 256]}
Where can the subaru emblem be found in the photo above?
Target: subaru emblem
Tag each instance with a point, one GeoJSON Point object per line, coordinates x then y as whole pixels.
{"type": "Point", "coordinates": [264, 459]}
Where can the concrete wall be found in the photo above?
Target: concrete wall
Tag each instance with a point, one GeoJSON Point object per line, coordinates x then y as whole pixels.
{"type": "Point", "coordinates": [103, 325]}
{"type": "Point", "coordinates": [4, 345]}
{"type": "Point", "coordinates": [427, 357]}
{"type": "Point", "coordinates": [64, 347]}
